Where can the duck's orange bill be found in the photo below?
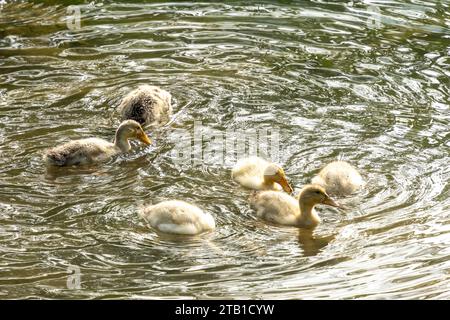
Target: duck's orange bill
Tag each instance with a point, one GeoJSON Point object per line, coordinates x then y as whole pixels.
{"type": "Point", "coordinates": [286, 186]}
{"type": "Point", "coordinates": [144, 138]}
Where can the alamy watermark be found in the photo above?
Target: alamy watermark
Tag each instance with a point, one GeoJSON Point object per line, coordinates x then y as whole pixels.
{"type": "Point", "coordinates": [73, 18]}
{"type": "Point", "coordinates": [374, 20]}
{"type": "Point", "coordinates": [204, 145]}
{"type": "Point", "coordinates": [74, 278]}
{"type": "Point", "coordinates": [374, 12]}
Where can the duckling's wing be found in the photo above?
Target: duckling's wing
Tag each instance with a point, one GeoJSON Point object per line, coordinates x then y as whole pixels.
{"type": "Point", "coordinates": [79, 152]}
{"type": "Point", "coordinates": [276, 207]}
{"type": "Point", "coordinates": [160, 112]}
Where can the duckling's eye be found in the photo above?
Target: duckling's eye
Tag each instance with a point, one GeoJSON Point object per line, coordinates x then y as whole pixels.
{"type": "Point", "coordinates": [318, 192]}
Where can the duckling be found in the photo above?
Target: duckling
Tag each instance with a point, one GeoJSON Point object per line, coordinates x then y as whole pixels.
{"type": "Point", "coordinates": [177, 217]}
{"type": "Point", "coordinates": [258, 174]}
{"type": "Point", "coordinates": [92, 150]}
{"type": "Point", "coordinates": [339, 178]}
{"type": "Point", "coordinates": [280, 208]}
{"type": "Point", "coordinates": [148, 105]}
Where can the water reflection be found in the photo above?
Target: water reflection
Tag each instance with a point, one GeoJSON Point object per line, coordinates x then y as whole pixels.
{"type": "Point", "coordinates": [312, 244]}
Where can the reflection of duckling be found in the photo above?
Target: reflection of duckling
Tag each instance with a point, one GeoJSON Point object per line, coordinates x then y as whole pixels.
{"type": "Point", "coordinates": [339, 178]}
{"type": "Point", "coordinates": [177, 217]}
{"type": "Point", "coordinates": [311, 244]}
{"type": "Point", "coordinates": [148, 105]}
{"type": "Point", "coordinates": [92, 150]}
{"type": "Point", "coordinates": [258, 174]}
{"type": "Point", "coordinates": [280, 208]}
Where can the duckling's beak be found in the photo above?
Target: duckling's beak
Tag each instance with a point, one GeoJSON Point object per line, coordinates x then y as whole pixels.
{"type": "Point", "coordinates": [144, 138]}
{"type": "Point", "coordinates": [331, 202]}
{"type": "Point", "coordinates": [285, 185]}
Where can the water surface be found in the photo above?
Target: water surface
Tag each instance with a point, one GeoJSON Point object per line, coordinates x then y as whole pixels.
{"type": "Point", "coordinates": [367, 82]}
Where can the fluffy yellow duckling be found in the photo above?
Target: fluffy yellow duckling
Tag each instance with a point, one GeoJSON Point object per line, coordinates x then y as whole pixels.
{"type": "Point", "coordinates": [280, 208]}
{"type": "Point", "coordinates": [148, 105]}
{"type": "Point", "coordinates": [339, 178]}
{"type": "Point", "coordinates": [92, 150]}
{"type": "Point", "coordinates": [177, 217]}
{"type": "Point", "coordinates": [258, 174]}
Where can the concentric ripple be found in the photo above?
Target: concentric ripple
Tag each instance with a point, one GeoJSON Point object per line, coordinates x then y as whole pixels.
{"type": "Point", "coordinates": [364, 82]}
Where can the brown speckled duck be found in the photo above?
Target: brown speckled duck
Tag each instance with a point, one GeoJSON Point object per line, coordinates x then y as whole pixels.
{"type": "Point", "coordinates": [148, 105]}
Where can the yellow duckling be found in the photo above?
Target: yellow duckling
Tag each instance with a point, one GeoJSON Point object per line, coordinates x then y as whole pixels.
{"type": "Point", "coordinates": [280, 208]}
{"type": "Point", "coordinates": [92, 150]}
{"type": "Point", "coordinates": [148, 105]}
{"type": "Point", "coordinates": [258, 174]}
{"type": "Point", "coordinates": [177, 217]}
{"type": "Point", "coordinates": [339, 178]}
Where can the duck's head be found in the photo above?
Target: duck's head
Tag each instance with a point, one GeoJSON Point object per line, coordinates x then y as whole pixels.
{"type": "Point", "coordinates": [130, 129]}
{"type": "Point", "coordinates": [313, 194]}
{"type": "Point", "coordinates": [275, 174]}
